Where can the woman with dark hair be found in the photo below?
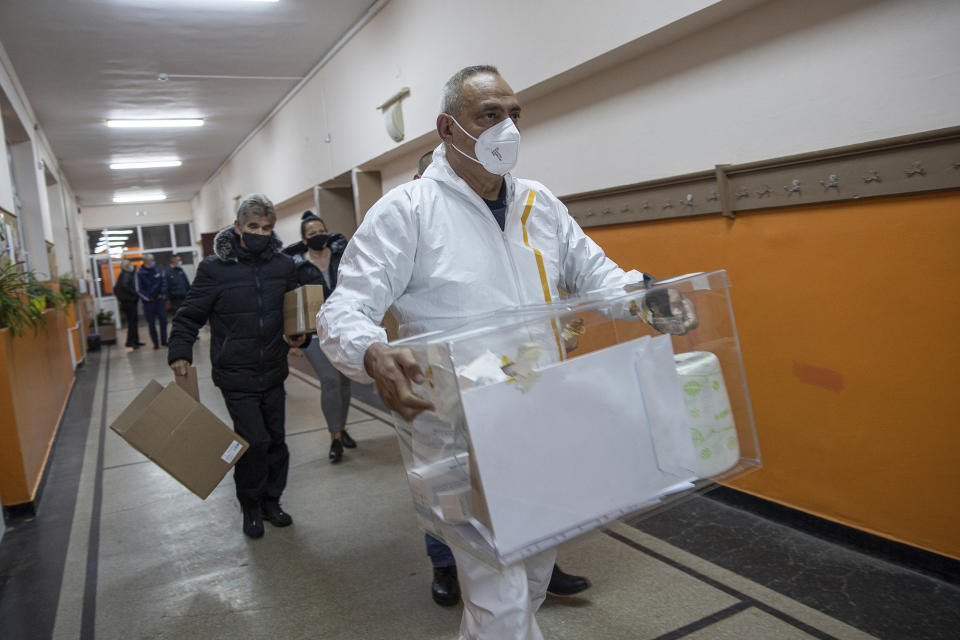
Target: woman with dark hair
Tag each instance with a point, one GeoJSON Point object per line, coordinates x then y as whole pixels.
{"type": "Point", "coordinates": [317, 257]}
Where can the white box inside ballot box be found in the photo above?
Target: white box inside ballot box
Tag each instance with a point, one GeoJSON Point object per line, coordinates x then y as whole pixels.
{"type": "Point", "coordinates": [551, 420]}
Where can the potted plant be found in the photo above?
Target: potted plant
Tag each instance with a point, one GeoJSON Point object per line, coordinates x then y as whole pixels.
{"type": "Point", "coordinates": [17, 311]}
{"type": "Point", "coordinates": [41, 294]}
{"type": "Point", "coordinates": [69, 289]}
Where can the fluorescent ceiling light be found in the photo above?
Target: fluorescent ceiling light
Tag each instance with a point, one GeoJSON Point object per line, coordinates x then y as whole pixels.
{"type": "Point", "coordinates": [154, 124]}
{"type": "Point", "coordinates": [151, 164]}
{"type": "Point", "coordinates": [139, 197]}
{"type": "Point", "coordinates": [117, 232]}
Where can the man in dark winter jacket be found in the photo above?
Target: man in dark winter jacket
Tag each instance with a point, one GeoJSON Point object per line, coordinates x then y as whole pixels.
{"type": "Point", "coordinates": [126, 292]}
{"type": "Point", "coordinates": [153, 290]}
{"type": "Point", "coordinates": [240, 292]}
{"type": "Point", "coordinates": [178, 285]}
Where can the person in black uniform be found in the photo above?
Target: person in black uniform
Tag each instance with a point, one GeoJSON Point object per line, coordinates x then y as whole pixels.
{"type": "Point", "coordinates": [126, 292]}
{"type": "Point", "coordinates": [240, 292]}
{"type": "Point", "coordinates": [178, 285]}
{"type": "Point", "coordinates": [317, 257]}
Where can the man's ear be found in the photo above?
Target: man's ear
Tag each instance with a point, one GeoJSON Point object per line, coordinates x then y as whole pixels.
{"type": "Point", "coordinates": [236, 227]}
{"type": "Point", "coordinates": [444, 127]}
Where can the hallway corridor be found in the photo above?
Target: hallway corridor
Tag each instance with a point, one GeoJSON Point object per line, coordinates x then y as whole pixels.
{"type": "Point", "coordinates": [120, 550]}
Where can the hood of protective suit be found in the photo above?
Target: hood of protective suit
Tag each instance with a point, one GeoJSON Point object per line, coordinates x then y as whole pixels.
{"type": "Point", "coordinates": [432, 251]}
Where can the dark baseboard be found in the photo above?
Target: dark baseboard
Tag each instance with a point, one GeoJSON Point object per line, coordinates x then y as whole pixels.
{"type": "Point", "coordinates": [920, 560]}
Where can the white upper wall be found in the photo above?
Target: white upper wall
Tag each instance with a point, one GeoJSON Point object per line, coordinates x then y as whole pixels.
{"type": "Point", "coordinates": [784, 78]}
{"type": "Point", "coordinates": [419, 44]}
{"type": "Point", "coordinates": [42, 160]}
{"type": "Point", "coordinates": [672, 88]}
{"type": "Point", "coordinates": [122, 215]}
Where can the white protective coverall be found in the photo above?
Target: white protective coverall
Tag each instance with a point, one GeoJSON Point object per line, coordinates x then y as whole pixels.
{"type": "Point", "coordinates": [432, 250]}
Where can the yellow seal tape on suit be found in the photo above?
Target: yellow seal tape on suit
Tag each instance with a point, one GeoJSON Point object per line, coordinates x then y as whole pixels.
{"type": "Point", "coordinates": [540, 266]}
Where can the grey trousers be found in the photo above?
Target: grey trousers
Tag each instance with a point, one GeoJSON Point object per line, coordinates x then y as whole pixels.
{"type": "Point", "coordinates": [334, 388]}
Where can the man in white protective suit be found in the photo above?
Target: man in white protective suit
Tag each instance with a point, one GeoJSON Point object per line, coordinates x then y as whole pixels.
{"type": "Point", "coordinates": [467, 238]}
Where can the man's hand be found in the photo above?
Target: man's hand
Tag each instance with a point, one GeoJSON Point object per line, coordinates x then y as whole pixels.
{"type": "Point", "coordinates": [295, 341]}
{"type": "Point", "coordinates": [667, 311]}
{"type": "Point", "coordinates": [180, 367]}
{"type": "Point", "coordinates": [392, 370]}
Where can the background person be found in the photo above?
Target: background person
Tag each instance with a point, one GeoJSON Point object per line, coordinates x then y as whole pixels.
{"type": "Point", "coordinates": [239, 290]}
{"type": "Point", "coordinates": [178, 284]}
{"type": "Point", "coordinates": [317, 257]}
{"type": "Point", "coordinates": [126, 292]}
{"type": "Point", "coordinates": [152, 287]}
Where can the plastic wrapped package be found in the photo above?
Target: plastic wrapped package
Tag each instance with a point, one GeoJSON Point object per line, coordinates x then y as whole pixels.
{"type": "Point", "coordinates": [551, 420]}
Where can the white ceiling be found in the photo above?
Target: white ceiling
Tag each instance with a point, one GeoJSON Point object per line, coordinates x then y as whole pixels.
{"type": "Point", "coordinates": [84, 61]}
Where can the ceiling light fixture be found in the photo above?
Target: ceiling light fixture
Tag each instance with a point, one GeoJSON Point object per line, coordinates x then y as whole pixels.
{"type": "Point", "coordinates": [118, 232]}
{"type": "Point", "coordinates": [154, 124]}
{"type": "Point", "coordinates": [151, 164]}
{"type": "Point", "coordinates": [139, 197]}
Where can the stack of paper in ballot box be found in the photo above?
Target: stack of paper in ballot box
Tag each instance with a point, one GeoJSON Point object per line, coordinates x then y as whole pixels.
{"type": "Point", "coordinates": [551, 420]}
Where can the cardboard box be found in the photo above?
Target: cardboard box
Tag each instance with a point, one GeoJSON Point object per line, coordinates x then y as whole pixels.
{"type": "Point", "coordinates": [300, 308]}
{"type": "Point", "coordinates": [108, 333]}
{"type": "Point", "coordinates": [184, 438]}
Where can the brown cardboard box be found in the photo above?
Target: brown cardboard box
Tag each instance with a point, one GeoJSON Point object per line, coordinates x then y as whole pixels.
{"type": "Point", "coordinates": [300, 308]}
{"type": "Point", "coordinates": [108, 333]}
{"type": "Point", "coordinates": [184, 438]}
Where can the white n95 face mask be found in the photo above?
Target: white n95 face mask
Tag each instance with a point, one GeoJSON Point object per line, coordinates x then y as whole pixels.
{"type": "Point", "coordinates": [497, 148]}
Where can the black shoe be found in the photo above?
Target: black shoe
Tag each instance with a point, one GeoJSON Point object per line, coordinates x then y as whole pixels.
{"type": "Point", "coordinates": [156, 346]}
{"type": "Point", "coordinates": [141, 344]}
{"type": "Point", "coordinates": [445, 589]}
{"type": "Point", "coordinates": [252, 522]}
{"type": "Point", "coordinates": [336, 451]}
{"type": "Point", "coordinates": [347, 441]}
{"type": "Point", "coordinates": [563, 584]}
{"type": "Point", "coordinates": [274, 514]}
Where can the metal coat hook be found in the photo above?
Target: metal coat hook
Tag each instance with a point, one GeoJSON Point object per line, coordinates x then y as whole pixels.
{"type": "Point", "coordinates": [917, 170]}
{"type": "Point", "coordinates": [591, 213]}
{"type": "Point", "coordinates": [742, 193]}
{"type": "Point", "coordinates": [644, 206]}
{"type": "Point", "coordinates": [669, 205]}
{"type": "Point", "coordinates": [873, 177]}
{"type": "Point", "coordinates": [956, 165]}
{"type": "Point", "coordinates": [713, 197]}
{"type": "Point", "coordinates": [688, 201]}
{"type": "Point", "coordinates": [833, 182]}
{"type": "Point", "coordinates": [793, 188]}
{"type": "Point", "coordinates": [766, 191]}
{"type": "Point", "coordinates": [606, 211]}
{"type": "Point", "coordinates": [626, 209]}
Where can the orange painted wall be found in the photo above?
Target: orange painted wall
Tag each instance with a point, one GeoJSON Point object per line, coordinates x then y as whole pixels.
{"type": "Point", "coordinates": [849, 322]}
{"type": "Point", "coordinates": [36, 376]}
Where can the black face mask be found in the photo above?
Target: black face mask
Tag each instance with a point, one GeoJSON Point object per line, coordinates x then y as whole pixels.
{"type": "Point", "coordinates": [318, 241]}
{"type": "Point", "coordinates": [254, 242]}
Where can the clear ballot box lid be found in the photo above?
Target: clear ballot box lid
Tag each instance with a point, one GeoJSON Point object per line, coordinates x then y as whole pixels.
{"type": "Point", "coordinates": [550, 420]}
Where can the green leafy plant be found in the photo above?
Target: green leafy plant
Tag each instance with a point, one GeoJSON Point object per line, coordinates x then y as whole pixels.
{"type": "Point", "coordinates": [104, 317]}
{"type": "Point", "coordinates": [17, 312]}
{"type": "Point", "coordinates": [68, 288]}
{"type": "Point", "coordinates": [42, 294]}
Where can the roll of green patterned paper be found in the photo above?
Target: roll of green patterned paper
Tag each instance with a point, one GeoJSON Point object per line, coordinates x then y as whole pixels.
{"type": "Point", "coordinates": [708, 411]}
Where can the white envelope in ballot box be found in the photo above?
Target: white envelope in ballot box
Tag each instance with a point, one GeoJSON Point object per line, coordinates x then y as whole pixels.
{"type": "Point", "coordinates": [553, 419]}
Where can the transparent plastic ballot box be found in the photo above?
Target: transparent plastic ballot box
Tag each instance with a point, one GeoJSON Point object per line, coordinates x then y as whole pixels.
{"type": "Point", "coordinates": [550, 420]}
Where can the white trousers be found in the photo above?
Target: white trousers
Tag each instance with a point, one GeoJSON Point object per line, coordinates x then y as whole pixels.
{"type": "Point", "coordinates": [501, 604]}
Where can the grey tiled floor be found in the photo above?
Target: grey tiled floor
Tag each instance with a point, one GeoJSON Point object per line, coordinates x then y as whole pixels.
{"type": "Point", "coordinates": [166, 564]}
